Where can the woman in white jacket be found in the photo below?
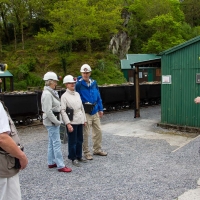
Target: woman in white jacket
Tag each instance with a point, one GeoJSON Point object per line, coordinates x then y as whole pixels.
{"type": "Point", "coordinates": [51, 108]}
{"type": "Point", "coordinates": [71, 99]}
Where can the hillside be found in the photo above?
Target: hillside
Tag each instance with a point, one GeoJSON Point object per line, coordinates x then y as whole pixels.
{"type": "Point", "coordinates": [29, 65]}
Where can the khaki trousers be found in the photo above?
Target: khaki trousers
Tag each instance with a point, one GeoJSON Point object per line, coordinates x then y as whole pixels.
{"type": "Point", "coordinates": [93, 121]}
{"type": "Point", "coordinates": [10, 188]}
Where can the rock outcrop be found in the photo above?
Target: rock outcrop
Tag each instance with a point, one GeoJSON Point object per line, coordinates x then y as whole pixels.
{"type": "Point", "coordinates": [120, 42]}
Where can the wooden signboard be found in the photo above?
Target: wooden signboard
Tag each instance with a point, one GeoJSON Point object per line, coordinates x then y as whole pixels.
{"type": "Point", "coordinates": [158, 72]}
{"type": "Point", "coordinates": [63, 133]}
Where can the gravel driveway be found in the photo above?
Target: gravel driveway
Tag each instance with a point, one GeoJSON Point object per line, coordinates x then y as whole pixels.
{"type": "Point", "coordinates": [142, 163]}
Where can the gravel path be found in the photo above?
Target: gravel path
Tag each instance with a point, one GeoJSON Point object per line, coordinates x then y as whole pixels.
{"type": "Point", "coordinates": [135, 168]}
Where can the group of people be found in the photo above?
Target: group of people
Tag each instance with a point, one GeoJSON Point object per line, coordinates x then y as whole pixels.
{"type": "Point", "coordinates": [79, 93]}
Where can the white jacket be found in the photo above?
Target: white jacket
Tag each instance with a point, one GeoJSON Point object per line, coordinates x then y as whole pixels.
{"type": "Point", "coordinates": [72, 100]}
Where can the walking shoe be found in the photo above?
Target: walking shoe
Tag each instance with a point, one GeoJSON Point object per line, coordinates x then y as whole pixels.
{"type": "Point", "coordinates": [76, 163]}
{"type": "Point", "coordinates": [100, 153]}
{"type": "Point", "coordinates": [52, 166]}
{"type": "Point", "coordinates": [88, 157]}
{"type": "Point", "coordinates": [65, 169]}
{"type": "Point", "coordinates": [82, 160]}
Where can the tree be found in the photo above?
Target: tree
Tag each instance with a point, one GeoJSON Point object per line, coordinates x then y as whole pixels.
{"type": "Point", "coordinates": [84, 20]}
{"type": "Point", "coordinates": [71, 21]}
{"type": "Point", "coordinates": [4, 21]}
{"type": "Point", "coordinates": [18, 12]}
{"type": "Point", "coordinates": [143, 11]}
{"type": "Point", "coordinates": [191, 10]}
{"type": "Point", "coordinates": [167, 33]}
{"type": "Point", "coordinates": [1, 36]}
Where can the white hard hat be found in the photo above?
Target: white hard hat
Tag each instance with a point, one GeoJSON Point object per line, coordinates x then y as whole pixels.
{"type": "Point", "coordinates": [69, 79]}
{"type": "Point", "coordinates": [50, 76]}
{"type": "Point", "coordinates": [85, 68]}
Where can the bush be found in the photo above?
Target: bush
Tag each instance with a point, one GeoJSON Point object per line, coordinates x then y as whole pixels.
{"type": "Point", "coordinates": [21, 85]}
{"type": "Point", "coordinates": [34, 80]}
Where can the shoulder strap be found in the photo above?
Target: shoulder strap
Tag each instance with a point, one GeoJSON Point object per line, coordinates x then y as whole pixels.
{"type": "Point", "coordinates": [53, 94]}
{"type": "Point", "coordinates": [14, 133]}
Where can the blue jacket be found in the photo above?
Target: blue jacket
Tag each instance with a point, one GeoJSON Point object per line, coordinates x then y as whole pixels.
{"type": "Point", "coordinates": [89, 93]}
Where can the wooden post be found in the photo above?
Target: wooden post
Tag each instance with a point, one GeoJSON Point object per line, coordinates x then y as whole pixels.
{"type": "Point", "coordinates": [4, 84]}
{"type": "Point", "coordinates": [11, 84]}
{"type": "Point", "coordinates": [137, 92]}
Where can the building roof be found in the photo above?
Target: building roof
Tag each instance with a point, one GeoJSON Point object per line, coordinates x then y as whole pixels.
{"type": "Point", "coordinates": [135, 58]}
{"type": "Point", "coordinates": [156, 62]}
{"type": "Point", "coordinates": [180, 46]}
{"type": "Point", "coordinates": [5, 74]}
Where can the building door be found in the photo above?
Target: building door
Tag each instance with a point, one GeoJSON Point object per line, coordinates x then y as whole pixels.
{"type": "Point", "coordinates": [150, 75]}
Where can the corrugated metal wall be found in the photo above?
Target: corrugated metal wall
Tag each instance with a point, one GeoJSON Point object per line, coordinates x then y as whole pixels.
{"type": "Point", "coordinates": [177, 99]}
{"type": "Point", "coordinates": [128, 74]}
{"type": "Point", "coordinates": [125, 72]}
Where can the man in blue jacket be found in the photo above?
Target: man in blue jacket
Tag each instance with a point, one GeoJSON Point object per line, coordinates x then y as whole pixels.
{"type": "Point", "coordinates": [89, 92]}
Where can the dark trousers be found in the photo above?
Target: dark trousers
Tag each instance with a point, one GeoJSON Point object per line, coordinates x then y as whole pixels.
{"type": "Point", "coordinates": [75, 141]}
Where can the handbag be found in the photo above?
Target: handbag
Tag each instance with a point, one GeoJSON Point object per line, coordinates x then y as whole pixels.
{"type": "Point", "coordinates": [17, 163]}
{"type": "Point", "coordinates": [7, 166]}
{"type": "Point", "coordinates": [88, 107]}
{"type": "Point", "coordinates": [57, 115]}
{"type": "Point", "coordinates": [70, 113]}
{"type": "Point", "coordinates": [63, 133]}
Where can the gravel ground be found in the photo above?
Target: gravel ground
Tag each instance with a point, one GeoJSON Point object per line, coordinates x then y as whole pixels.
{"type": "Point", "coordinates": [135, 168]}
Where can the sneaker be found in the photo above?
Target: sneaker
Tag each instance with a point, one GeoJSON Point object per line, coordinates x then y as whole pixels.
{"type": "Point", "coordinates": [65, 169]}
{"type": "Point", "coordinates": [82, 160]}
{"type": "Point", "coordinates": [88, 157]}
{"type": "Point", "coordinates": [52, 166]}
{"type": "Point", "coordinates": [100, 153]}
{"type": "Point", "coordinates": [76, 163]}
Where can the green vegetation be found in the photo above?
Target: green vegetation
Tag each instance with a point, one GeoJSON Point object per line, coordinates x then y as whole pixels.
{"type": "Point", "coordinates": [28, 66]}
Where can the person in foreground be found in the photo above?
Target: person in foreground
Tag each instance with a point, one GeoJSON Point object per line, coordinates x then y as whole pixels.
{"type": "Point", "coordinates": [89, 92]}
{"type": "Point", "coordinates": [71, 99]}
{"type": "Point", "coordinates": [197, 100]}
{"type": "Point", "coordinates": [12, 158]}
{"type": "Point", "coordinates": [51, 108]}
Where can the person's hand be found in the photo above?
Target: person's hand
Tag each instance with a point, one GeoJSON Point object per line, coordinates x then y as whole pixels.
{"type": "Point", "coordinates": [23, 161]}
{"type": "Point", "coordinates": [85, 123]}
{"type": "Point", "coordinates": [100, 114]}
{"type": "Point", "coordinates": [197, 100]}
{"type": "Point", "coordinates": [70, 127]}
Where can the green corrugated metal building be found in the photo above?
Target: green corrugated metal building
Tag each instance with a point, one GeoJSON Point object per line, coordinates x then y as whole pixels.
{"type": "Point", "coordinates": [147, 74]}
{"type": "Point", "coordinates": [180, 68]}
